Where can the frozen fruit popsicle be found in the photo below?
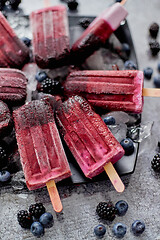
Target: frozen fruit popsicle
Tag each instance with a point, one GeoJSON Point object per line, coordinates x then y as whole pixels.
{"type": "Point", "coordinates": [5, 119]}
{"type": "Point", "coordinates": [88, 138]}
{"type": "Point", "coordinates": [13, 85]}
{"type": "Point", "coordinates": [98, 32]}
{"type": "Point", "coordinates": [111, 90]}
{"type": "Point", "coordinates": [13, 52]}
{"type": "Point", "coordinates": [42, 155]}
{"type": "Point", "coordinates": [50, 36]}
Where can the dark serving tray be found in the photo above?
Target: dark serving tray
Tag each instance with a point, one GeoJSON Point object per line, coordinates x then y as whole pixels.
{"type": "Point", "coordinates": [126, 164]}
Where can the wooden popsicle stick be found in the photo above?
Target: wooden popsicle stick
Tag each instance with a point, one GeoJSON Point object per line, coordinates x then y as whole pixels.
{"type": "Point", "coordinates": [151, 92]}
{"type": "Point", "coordinates": [47, 3]}
{"type": "Point", "coordinates": [54, 196]}
{"type": "Point", "coordinates": [114, 177]}
{"type": "Point", "coordinates": [123, 2]}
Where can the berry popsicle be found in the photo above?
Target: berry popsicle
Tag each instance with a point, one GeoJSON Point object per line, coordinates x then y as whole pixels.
{"type": "Point", "coordinates": [50, 36]}
{"type": "Point", "coordinates": [111, 90]}
{"type": "Point", "coordinates": [89, 139]}
{"type": "Point", "coordinates": [13, 52]}
{"type": "Point", "coordinates": [98, 32]}
{"type": "Point", "coordinates": [13, 84]}
{"type": "Point", "coordinates": [42, 155]}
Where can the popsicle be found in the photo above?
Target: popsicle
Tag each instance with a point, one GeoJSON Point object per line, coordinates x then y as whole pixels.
{"type": "Point", "coordinates": [5, 119]}
{"type": "Point", "coordinates": [13, 85]}
{"type": "Point", "coordinates": [98, 32]}
{"type": "Point", "coordinates": [89, 139]}
{"type": "Point", "coordinates": [42, 155]}
{"type": "Point", "coordinates": [13, 52]}
{"type": "Point", "coordinates": [50, 36]}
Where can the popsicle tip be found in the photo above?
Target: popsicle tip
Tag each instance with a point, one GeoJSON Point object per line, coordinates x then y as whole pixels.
{"type": "Point", "coordinates": [123, 2]}
{"type": "Point", "coordinates": [54, 196]}
{"type": "Point", "coordinates": [114, 177]}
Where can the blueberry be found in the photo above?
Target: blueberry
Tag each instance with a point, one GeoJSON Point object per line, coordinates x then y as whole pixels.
{"type": "Point", "coordinates": [156, 81]}
{"type": "Point", "coordinates": [158, 67]}
{"type": "Point", "coordinates": [4, 176]}
{"type": "Point", "coordinates": [46, 219]}
{"type": "Point", "coordinates": [100, 230]}
{"type": "Point", "coordinates": [26, 41]}
{"type": "Point", "coordinates": [121, 207]}
{"type": "Point", "coordinates": [119, 230]}
{"type": "Point", "coordinates": [37, 229]}
{"type": "Point", "coordinates": [109, 120]}
{"type": "Point", "coordinates": [128, 146]}
{"type": "Point", "coordinates": [40, 76]}
{"type": "Point", "coordinates": [130, 65]}
{"type": "Point", "coordinates": [126, 48]}
{"type": "Point", "coordinates": [138, 227]}
{"type": "Point", "coordinates": [148, 72]}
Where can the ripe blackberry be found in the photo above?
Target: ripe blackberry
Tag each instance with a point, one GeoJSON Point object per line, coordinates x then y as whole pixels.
{"type": "Point", "coordinates": [85, 22]}
{"type": "Point", "coordinates": [155, 163]}
{"type": "Point", "coordinates": [24, 219]}
{"type": "Point", "coordinates": [14, 4]}
{"type": "Point", "coordinates": [2, 4]}
{"type": "Point", "coordinates": [72, 4]}
{"type": "Point", "coordinates": [3, 157]}
{"type": "Point", "coordinates": [106, 210]}
{"type": "Point", "coordinates": [37, 209]}
{"type": "Point", "coordinates": [51, 86]}
{"type": "Point", "coordinates": [153, 29]}
{"type": "Point", "coordinates": [154, 47]}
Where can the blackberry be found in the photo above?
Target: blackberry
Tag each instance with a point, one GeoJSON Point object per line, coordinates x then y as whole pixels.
{"type": "Point", "coordinates": [153, 30]}
{"type": "Point", "coordinates": [72, 4]}
{"type": "Point", "coordinates": [106, 210]}
{"type": "Point", "coordinates": [14, 3]}
{"type": "Point", "coordinates": [51, 86]}
{"type": "Point", "coordinates": [24, 219]}
{"type": "Point", "coordinates": [154, 47]}
{"type": "Point", "coordinates": [85, 22]}
{"type": "Point", "coordinates": [3, 157]}
{"type": "Point", "coordinates": [37, 209]}
{"type": "Point", "coordinates": [2, 4]}
{"type": "Point", "coordinates": [155, 163]}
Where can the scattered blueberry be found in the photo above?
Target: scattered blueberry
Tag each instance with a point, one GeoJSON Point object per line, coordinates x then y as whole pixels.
{"type": "Point", "coordinates": [37, 229]}
{"type": "Point", "coordinates": [130, 65]}
{"type": "Point", "coordinates": [4, 176]}
{"type": "Point", "coordinates": [148, 73]}
{"type": "Point", "coordinates": [72, 4]}
{"type": "Point", "coordinates": [156, 81]}
{"type": "Point", "coordinates": [26, 41]}
{"type": "Point", "coordinates": [154, 47]}
{"type": "Point", "coordinates": [119, 230]}
{"type": "Point", "coordinates": [158, 67]}
{"type": "Point", "coordinates": [128, 146]}
{"type": "Point", "coordinates": [154, 29]}
{"type": "Point", "coordinates": [40, 76]}
{"type": "Point", "coordinates": [100, 230]}
{"type": "Point", "coordinates": [2, 4]}
{"type": "Point", "coordinates": [121, 207]}
{"type": "Point", "coordinates": [118, 1]}
{"type": "Point", "coordinates": [126, 48]}
{"type": "Point", "coordinates": [109, 120]}
{"type": "Point", "coordinates": [46, 219]}
{"type": "Point", "coordinates": [138, 227]}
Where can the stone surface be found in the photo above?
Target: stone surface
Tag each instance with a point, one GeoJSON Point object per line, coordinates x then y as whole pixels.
{"type": "Point", "coordinates": [142, 187]}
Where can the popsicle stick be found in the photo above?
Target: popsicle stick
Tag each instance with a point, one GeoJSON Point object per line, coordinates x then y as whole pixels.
{"type": "Point", "coordinates": [114, 177]}
{"type": "Point", "coordinates": [123, 2]}
{"type": "Point", "coordinates": [151, 92]}
{"type": "Point", "coordinates": [54, 196]}
{"type": "Point", "coordinates": [47, 3]}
